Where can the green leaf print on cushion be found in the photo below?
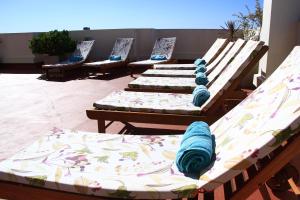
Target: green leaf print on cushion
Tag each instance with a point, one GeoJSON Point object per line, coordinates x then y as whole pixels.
{"type": "Point", "coordinates": [129, 155]}
{"type": "Point", "coordinates": [281, 136]}
{"type": "Point", "coordinates": [121, 192]}
{"type": "Point", "coordinates": [37, 180]}
{"type": "Point", "coordinates": [188, 191]}
{"type": "Point", "coordinates": [102, 159]}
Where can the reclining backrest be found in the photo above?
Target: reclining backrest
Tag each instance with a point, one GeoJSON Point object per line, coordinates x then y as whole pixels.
{"type": "Point", "coordinates": [122, 47]}
{"type": "Point", "coordinates": [83, 48]}
{"type": "Point", "coordinates": [232, 72]}
{"type": "Point", "coordinates": [164, 46]}
{"type": "Point", "coordinates": [260, 123]}
{"type": "Point", "coordinates": [215, 50]}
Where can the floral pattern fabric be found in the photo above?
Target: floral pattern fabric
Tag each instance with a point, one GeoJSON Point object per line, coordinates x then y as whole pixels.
{"type": "Point", "coordinates": [122, 47]}
{"type": "Point", "coordinates": [149, 102]}
{"type": "Point", "coordinates": [164, 46]}
{"type": "Point", "coordinates": [161, 81]}
{"type": "Point", "coordinates": [215, 49]}
{"type": "Point", "coordinates": [170, 73]}
{"type": "Point", "coordinates": [170, 83]}
{"type": "Point", "coordinates": [83, 49]}
{"type": "Point", "coordinates": [232, 71]}
{"type": "Point", "coordinates": [222, 61]}
{"type": "Point", "coordinates": [142, 166]}
{"type": "Point", "coordinates": [175, 66]}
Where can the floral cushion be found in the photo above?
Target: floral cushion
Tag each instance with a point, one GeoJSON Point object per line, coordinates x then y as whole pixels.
{"type": "Point", "coordinates": [163, 83]}
{"type": "Point", "coordinates": [230, 51]}
{"type": "Point", "coordinates": [103, 62]}
{"type": "Point", "coordinates": [149, 102]}
{"type": "Point", "coordinates": [122, 47]}
{"type": "Point", "coordinates": [227, 59]}
{"type": "Point", "coordinates": [142, 166]}
{"type": "Point", "coordinates": [164, 46]}
{"type": "Point", "coordinates": [175, 66]}
{"type": "Point", "coordinates": [232, 71]}
{"type": "Point", "coordinates": [147, 62]}
{"type": "Point", "coordinates": [169, 73]}
{"type": "Point", "coordinates": [214, 50]}
{"type": "Point", "coordinates": [220, 57]}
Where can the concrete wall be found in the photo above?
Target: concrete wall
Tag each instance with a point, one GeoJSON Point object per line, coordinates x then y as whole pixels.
{"type": "Point", "coordinates": [280, 31]}
{"type": "Point", "coordinates": [14, 48]}
{"type": "Point", "coordinates": [191, 43]}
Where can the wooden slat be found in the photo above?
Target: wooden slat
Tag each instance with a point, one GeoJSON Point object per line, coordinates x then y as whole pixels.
{"type": "Point", "coordinates": [209, 195]}
{"type": "Point", "coordinates": [239, 181]}
{"type": "Point", "coordinates": [228, 191]}
{"type": "Point", "coordinates": [268, 171]}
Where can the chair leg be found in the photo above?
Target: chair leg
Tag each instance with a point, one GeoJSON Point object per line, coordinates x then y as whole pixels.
{"type": "Point", "coordinates": [101, 126]}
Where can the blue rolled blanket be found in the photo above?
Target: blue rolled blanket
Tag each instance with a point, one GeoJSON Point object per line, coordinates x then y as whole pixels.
{"type": "Point", "coordinates": [197, 150]}
{"type": "Point", "coordinates": [158, 57]}
{"type": "Point", "coordinates": [201, 79]}
{"type": "Point", "coordinates": [200, 68]}
{"type": "Point", "coordinates": [115, 57]}
{"type": "Point", "coordinates": [199, 61]}
{"type": "Point", "coordinates": [201, 95]}
{"type": "Point", "coordinates": [75, 58]}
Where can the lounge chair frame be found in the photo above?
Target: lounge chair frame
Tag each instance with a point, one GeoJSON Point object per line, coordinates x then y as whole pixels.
{"type": "Point", "coordinates": [156, 51]}
{"type": "Point", "coordinates": [112, 66]}
{"type": "Point", "coordinates": [189, 91]}
{"type": "Point", "coordinates": [64, 70]}
{"type": "Point", "coordinates": [237, 188]}
{"type": "Point", "coordinates": [215, 111]}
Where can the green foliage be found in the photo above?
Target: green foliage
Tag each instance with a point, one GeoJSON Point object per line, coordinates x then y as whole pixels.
{"type": "Point", "coordinates": [251, 21]}
{"type": "Point", "coordinates": [232, 29]}
{"type": "Point", "coordinates": [53, 43]}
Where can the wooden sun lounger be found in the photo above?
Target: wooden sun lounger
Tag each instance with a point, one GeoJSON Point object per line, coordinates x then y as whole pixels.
{"type": "Point", "coordinates": [121, 48]}
{"type": "Point", "coordinates": [162, 46]}
{"type": "Point", "coordinates": [187, 85]}
{"type": "Point", "coordinates": [211, 114]}
{"type": "Point", "coordinates": [62, 69]}
{"type": "Point", "coordinates": [254, 142]}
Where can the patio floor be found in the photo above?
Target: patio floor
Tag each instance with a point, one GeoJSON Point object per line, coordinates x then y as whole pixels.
{"type": "Point", "coordinates": [30, 107]}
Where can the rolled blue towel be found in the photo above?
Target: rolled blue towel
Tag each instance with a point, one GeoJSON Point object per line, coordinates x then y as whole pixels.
{"type": "Point", "coordinates": [199, 61]}
{"type": "Point", "coordinates": [75, 58]}
{"type": "Point", "coordinates": [201, 95]}
{"type": "Point", "coordinates": [158, 57]}
{"type": "Point", "coordinates": [201, 79]}
{"type": "Point", "coordinates": [197, 149]}
{"type": "Point", "coordinates": [200, 68]}
{"type": "Point", "coordinates": [115, 57]}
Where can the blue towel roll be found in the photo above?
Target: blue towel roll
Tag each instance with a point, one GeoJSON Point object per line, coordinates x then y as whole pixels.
{"type": "Point", "coordinates": [75, 58]}
{"type": "Point", "coordinates": [201, 79]}
{"type": "Point", "coordinates": [158, 57]}
{"type": "Point", "coordinates": [115, 57]}
{"type": "Point", "coordinates": [200, 68]}
{"type": "Point", "coordinates": [196, 150]}
{"type": "Point", "coordinates": [199, 61]}
{"type": "Point", "coordinates": [201, 95]}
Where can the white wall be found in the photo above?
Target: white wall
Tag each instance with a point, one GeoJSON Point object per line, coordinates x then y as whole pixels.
{"type": "Point", "coordinates": [191, 43]}
{"type": "Point", "coordinates": [280, 31]}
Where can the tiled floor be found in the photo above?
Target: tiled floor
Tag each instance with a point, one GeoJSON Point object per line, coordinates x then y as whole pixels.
{"type": "Point", "coordinates": [30, 107]}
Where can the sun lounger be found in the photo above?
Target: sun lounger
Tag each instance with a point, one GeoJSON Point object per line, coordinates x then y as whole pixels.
{"type": "Point", "coordinates": [237, 58]}
{"type": "Point", "coordinates": [162, 47]}
{"type": "Point", "coordinates": [253, 142]}
{"type": "Point", "coordinates": [210, 57]}
{"type": "Point", "coordinates": [61, 69]}
{"type": "Point", "coordinates": [186, 73]}
{"type": "Point", "coordinates": [121, 48]}
{"type": "Point", "coordinates": [171, 108]}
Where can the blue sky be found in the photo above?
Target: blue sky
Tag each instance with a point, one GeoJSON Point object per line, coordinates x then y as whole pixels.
{"type": "Point", "coordinates": [39, 15]}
